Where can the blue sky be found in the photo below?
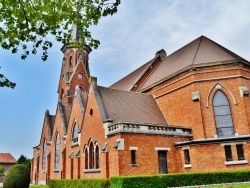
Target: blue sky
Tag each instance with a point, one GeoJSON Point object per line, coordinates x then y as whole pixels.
{"type": "Point", "coordinates": [129, 39]}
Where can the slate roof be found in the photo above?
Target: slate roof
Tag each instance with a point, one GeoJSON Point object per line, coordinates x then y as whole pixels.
{"type": "Point", "coordinates": [7, 158]}
{"type": "Point", "coordinates": [129, 81]}
{"type": "Point", "coordinates": [201, 51]}
{"type": "Point", "coordinates": [129, 107]}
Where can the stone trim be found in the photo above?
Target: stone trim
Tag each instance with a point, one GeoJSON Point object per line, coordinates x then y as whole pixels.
{"type": "Point", "coordinates": [236, 162]}
{"type": "Point", "coordinates": [238, 139]}
{"type": "Point", "coordinates": [162, 148]}
{"type": "Point", "coordinates": [149, 129]}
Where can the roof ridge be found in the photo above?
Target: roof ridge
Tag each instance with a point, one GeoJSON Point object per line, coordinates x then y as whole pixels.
{"type": "Point", "coordinates": [198, 47]}
{"type": "Point", "coordinates": [226, 49]}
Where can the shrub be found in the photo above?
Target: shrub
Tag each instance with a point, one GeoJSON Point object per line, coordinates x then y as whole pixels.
{"type": "Point", "coordinates": [80, 183]}
{"type": "Point", "coordinates": [17, 177]}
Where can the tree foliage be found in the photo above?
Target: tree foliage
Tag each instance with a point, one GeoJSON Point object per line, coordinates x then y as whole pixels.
{"type": "Point", "coordinates": [24, 160]}
{"type": "Point", "coordinates": [26, 24]}
{"type": "Point", "coordinates": [2, 169]}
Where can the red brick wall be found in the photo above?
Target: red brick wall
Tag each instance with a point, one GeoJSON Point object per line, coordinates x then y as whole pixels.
{"type": "Point", "coordinates": [146, 155]}
{"type": "Point", "coordinates": [179, 109]}
{"type": "Point", "coordinates": [211, 157]}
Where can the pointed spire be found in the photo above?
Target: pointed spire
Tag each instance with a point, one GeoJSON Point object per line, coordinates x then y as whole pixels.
{"type": "Point", "coordinates": [75, 34]}
{"type": "Point", "coordinates": [75, 37]}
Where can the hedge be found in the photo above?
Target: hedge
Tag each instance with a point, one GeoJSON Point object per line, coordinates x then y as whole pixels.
{"type": "Point", "coordinates": [178, 180]}
{"type": "Point", "coordinates": [80, 183]}
{"type": "Point", "coordinates": [161, 181]}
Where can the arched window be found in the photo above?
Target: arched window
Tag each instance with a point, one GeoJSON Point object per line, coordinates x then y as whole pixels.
{"type": "Point", "coordinates": [92, 158]}
{"type": "Point", "coordinates": [44, 155]}
{"type": "Point", "coordinates": [57, 151]}
{"type": "Point", "coordinates": [80, 57]}
{"type": "Point", "coordinates": [80, 87]}
{"type": "Point", "coordinates": [222, 114]}
{"type": "Point", "coordinates": [75, 133]}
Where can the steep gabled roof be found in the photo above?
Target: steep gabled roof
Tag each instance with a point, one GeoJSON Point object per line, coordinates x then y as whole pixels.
{"type": "Point", "coordinates": [128, 81]}
{"type": "Point", "coordinates": [131, 107]}
{"type": "Point", "coordinates": [200, 51]}
{"type": "Point", "coordinates": [7, 158]}
{"type": "Point", "coordinates": [49, 120]}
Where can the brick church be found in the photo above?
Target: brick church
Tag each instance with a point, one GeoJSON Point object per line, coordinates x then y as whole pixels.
{"type": "Point", "coordinates": [184, 112]}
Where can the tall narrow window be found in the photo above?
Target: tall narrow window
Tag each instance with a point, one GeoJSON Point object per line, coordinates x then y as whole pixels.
{"type": "Point", "coordinates": [86, 158]}
{"type": "Point", "coordinates": [222, 114]}
{"type": "Point", "coordinates": [44, 155]}
{"type": "Point", "coordinates": [91, 156]}
{"type": "Point", "coordinates": [240, 152]}
{"type": "Point", "coordinates": [186, 156]}
{"type": "Point", "coordinates": [133, 157]}
{"type": "Point", "coordinates": [75, 133]}
{"type": "Point", "coordinates": [228, 153]}
{"type": "Point", "coordinates": [57, 151]}
{"type": "Point", "coordinates": [97, 157]}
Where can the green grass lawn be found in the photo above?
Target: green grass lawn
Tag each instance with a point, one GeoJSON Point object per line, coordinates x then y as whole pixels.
{"type": "Point", "coordinates": [235, 186]}
{"type": "Point", "coordinates": [39, 186]}
{"type": "Point", "coordinates": [225, 186]}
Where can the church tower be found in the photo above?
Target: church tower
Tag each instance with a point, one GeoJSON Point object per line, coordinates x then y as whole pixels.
{"type": "Point", "coordinates": [75, 68]}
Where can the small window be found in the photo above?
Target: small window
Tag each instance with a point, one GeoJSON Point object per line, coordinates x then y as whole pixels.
{"type": "Point", "coordinates": [133, 157]}
{"type": "Point", "coordinates": [240, 152]}
{"type": "Point", "coordinates": [228, 153]}
{"type": "Point", "coordinates": [70, 61]}
{"type": "Point", "coordinates": [80, 57]}
{"type": "Point", "coordinates": [91, 112]}
{"type": "Point", "coordinates": [80, 87]}
{"type": "Point", "coordinates": [186, 156]}
{"type": "Point", "coordinates": [75, 133]}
